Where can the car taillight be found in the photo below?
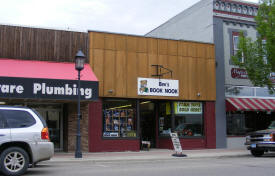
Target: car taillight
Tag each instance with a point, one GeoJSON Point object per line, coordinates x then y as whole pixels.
{"type": "Point", "coordinates": [45, 134]}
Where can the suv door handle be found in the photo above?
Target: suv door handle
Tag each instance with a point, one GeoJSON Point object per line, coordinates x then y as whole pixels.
{"type": "Point", "coordinates": [2, 135]}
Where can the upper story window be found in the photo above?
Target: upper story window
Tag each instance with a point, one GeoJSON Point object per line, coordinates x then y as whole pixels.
{"type": "Point", "coordinates": [264, 51]}
{"type": "Point", "coordinates": [235, 42]}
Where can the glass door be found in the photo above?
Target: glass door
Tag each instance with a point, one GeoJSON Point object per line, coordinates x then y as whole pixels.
{"type": "Point", "coordinates": [53, 115]}
{"type": "Point", "coordinates": [148, 122]}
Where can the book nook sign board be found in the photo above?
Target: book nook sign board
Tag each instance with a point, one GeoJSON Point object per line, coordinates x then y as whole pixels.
{"type": "Point", "coordinates": [158, 87]}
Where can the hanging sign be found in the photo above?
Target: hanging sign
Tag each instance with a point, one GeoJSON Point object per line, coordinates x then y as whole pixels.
{"type": "Point", "coordinates": [188, 107]}
{"type": "Point", "coordinates": [239, 73]}
{"type": "Point", "coordinates": [158, 87]}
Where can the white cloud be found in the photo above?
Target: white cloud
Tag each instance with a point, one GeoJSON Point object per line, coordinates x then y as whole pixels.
{"type": "Point", "coordinates": [123, 16]}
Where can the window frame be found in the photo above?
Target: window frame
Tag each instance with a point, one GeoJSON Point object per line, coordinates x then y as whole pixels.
{"type": "Point", "coordinates": [136, 123]}
{"type": "Point", "coordinates": [173, 119]}
{"type": "Point", "coordinates": [264, 51]}
{"type": "Point", "coordinates": [234, 32]}
{"type": "Point", "coordinates": [236, 35]}
{"type": "Point", "coordinates": [31, 123]}
{"type": "Point", "coordinates": [4, 120]}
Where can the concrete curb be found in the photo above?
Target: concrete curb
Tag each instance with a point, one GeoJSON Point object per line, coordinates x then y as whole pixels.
{"type": "Point", "coordinates": [147, 156]}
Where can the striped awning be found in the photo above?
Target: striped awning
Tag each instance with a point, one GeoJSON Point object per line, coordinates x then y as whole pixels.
{"type": "Point", "coordinates": [250, 104]}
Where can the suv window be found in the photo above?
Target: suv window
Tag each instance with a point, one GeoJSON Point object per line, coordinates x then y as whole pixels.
{"type": "Point", "coordinates": [41, 118]}
{"type": "Point", "coordinates": [18, 119]}
{"type": "Point", "coordinates": [3, 122]}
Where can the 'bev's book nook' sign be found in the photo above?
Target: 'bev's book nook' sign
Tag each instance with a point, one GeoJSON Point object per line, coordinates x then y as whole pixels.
{"type": "Point", "coordinates": [158, 87]}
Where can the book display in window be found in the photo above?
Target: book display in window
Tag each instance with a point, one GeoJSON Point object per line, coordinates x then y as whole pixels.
{"type": "Point", "coordinates": [119, 123]}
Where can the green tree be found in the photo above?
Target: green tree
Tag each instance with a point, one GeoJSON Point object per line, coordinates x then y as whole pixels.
{"type": "Point", "coordinates": [259, 55]}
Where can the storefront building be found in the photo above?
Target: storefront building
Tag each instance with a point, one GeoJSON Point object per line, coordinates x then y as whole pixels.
{"type": "Point", "coordinates": [149, 87]}
{"type": "Point", "coordinates": [51, 89]}
{"type": "Point", "coordinates": [37, 70]}
{"type": "Point", "coordinates": [240, 106]}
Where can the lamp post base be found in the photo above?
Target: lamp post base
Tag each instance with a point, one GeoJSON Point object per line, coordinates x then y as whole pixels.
{"type": "Point", "coordinates": [78, 154]}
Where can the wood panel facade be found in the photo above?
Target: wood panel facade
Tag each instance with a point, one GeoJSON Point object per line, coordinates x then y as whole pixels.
{"type": "Point", "coordinates": [118, 60]}
{"type": "Point", "coordinates": [18, 42]}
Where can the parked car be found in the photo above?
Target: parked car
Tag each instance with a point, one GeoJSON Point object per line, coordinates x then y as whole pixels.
{"type": "Point", "coordinates": [262, 141]}
{"type": "Point", "coordinates": [184, 129]}
{"type": "Point", "coordinates": [24, 139]}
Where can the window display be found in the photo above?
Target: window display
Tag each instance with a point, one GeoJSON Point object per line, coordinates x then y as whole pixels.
{"type": "Point", "coordinates": [165, 124]}
{"type": "Point", "coordinates": [119, 118]}
{"type": "Point", "coordinates": [189, 125]}
{"type": "Point", "coordinates": [188, 119]}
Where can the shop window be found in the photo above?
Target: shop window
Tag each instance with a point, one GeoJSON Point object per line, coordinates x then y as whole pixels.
{"type": "Point", "coordinates": [188, 119]}
{"type": "Point", "coordinates": [119, 118]}
{"type": "Point", "coordinates": [236, 124]}
{"type": "Point", "coordinates": [242, 123]}
{"type": "Point", "coordinates": [165, 122]}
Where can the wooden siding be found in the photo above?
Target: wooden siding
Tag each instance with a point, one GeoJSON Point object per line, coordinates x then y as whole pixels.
{"type": "Point", "coordinates": [41, 44]}
{"type": "Point", "coordinates": [118, 60]}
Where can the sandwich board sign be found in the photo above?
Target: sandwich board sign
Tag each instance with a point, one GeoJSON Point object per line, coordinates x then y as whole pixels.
{"type": "Point", "coordinates": [177, 145]}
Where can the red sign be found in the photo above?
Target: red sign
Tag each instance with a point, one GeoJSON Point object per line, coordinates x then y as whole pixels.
{"type": "Point", "coordinates": [239, 73]}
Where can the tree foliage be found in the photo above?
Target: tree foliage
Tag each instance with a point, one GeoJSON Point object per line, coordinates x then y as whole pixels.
{"type": "Point", "coordinates": [259, 55]}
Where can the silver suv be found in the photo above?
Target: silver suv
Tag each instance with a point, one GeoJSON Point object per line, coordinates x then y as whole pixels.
{"type": "Point", "coordinates": [24, 139]}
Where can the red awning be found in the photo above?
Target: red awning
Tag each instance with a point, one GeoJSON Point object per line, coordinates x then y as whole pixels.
{"type": "Point", "coordinates": [250, 104]}
{"type": "Point", "coordinates": [43, 69]}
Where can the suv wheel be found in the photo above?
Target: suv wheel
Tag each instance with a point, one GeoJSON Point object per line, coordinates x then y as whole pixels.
{"type": "Point", "coordinates": [14, 161]}
{"type": "Point", "coordinates": [257, 153]}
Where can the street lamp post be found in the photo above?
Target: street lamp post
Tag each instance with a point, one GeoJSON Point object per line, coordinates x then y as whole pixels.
{"type": "Point", "coordinates": [79, 65]}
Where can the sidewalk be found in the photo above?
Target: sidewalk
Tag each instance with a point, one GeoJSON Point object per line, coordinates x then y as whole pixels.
{"type": "Point", "coordinates": [153, 154]}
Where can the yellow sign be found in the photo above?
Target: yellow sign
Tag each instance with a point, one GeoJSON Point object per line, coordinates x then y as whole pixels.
{"type": "Point", "coordinates": [188, 108]}
{"type": "Point", "coordinates": [131, 134]}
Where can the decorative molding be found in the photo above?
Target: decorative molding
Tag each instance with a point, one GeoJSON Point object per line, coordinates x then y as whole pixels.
{"type": "Point", "coordinates": [241, 23]}
{"type": "Point", "coordinates": [229, 15]}
{"type": "Point", "coordinates": [235, 8]}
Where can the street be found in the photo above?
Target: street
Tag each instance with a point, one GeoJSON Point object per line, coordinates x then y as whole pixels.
{"type": "Point", "coordinates": [220, 166]}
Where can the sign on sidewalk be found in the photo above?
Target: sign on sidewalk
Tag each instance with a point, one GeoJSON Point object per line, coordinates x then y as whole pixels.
{"type": "Point", "coordinates": [177, 145]}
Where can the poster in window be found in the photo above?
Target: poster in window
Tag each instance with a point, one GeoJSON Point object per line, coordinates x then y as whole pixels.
{"type": "Point", "coordinates": [108, 124]}
{"type": "Point", "coordinates": [161, 123]}
{"type": "Point", "coordinates": [188, 107]}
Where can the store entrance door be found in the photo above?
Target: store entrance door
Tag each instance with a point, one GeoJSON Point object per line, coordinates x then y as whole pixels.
{"type": "Point", "coordinates": [148, 122]}
{"type": "Point", "coordinates": [53, 115]}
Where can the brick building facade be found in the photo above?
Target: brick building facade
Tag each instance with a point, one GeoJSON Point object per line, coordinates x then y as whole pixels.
{"type": "Point", "coordinates": [24, 48]}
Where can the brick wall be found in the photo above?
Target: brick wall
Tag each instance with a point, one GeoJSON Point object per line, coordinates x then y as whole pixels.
{"type": "Point", "coordinates": [72, 126]}
{"type": "Point", "coordinates": [209, 141]}
{"type": "Point", "coordinates": [210, 124]}
{"type": "Point", "coordinates": [97, 143]}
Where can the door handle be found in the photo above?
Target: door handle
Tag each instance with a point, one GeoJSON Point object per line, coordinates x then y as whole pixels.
{"type": "Point", "coordinates": [2, 135]}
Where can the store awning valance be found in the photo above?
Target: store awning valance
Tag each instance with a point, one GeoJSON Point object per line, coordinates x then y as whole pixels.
{"type": "Point", "coordinates": [45, 80]}
{"type": "Point", "coordinates": [43, 69]}
{"type": "Point", "coordinates": [250, 104]}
